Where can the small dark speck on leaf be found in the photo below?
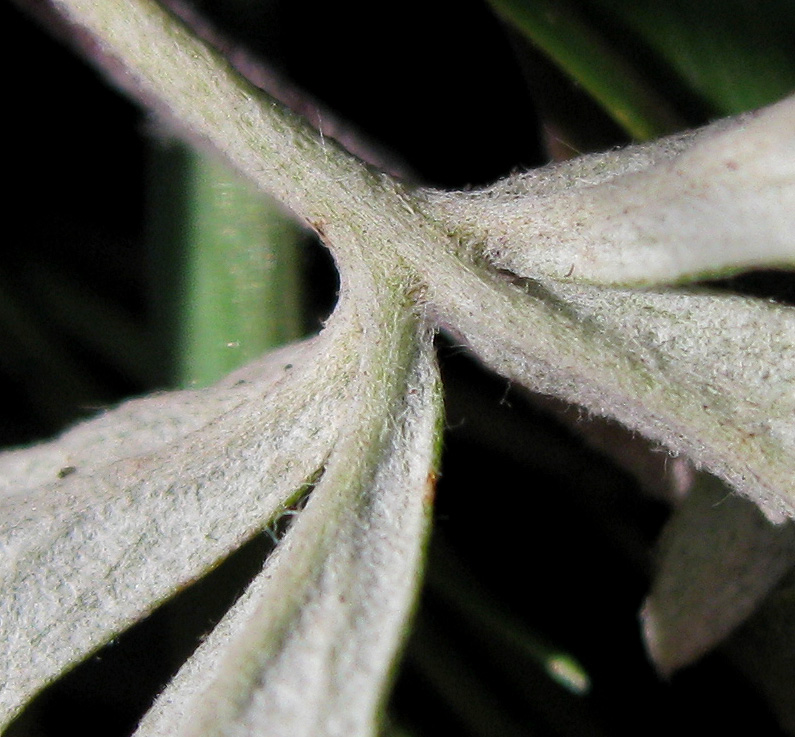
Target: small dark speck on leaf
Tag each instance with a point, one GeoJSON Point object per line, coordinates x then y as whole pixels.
{"type": "Point", "coordinates": [66, 471]}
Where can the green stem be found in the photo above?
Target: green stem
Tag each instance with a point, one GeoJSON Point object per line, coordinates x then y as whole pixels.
{"type": "Point", "coordinates": [225, 267]}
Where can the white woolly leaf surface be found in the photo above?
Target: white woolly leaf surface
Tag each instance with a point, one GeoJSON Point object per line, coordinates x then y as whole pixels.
{"type": "Point", "coordinates": [308, 649]}
{"type": "Point", "coordinates": [713, 202]}
{"type": "Point", "coordinates": [152, 494]}
{"type": "Point", "coordinates": [707, 375]}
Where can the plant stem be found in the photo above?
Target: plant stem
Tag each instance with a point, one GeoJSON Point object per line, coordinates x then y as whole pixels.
{"type": "Point", "coordinates": [225, 267]}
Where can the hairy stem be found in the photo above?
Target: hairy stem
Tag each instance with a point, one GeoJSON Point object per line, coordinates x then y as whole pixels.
{"type": "Point", "coordinates": [153, 55]}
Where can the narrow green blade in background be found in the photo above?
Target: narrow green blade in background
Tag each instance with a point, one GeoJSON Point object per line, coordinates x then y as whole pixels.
{"type": "Point", "coordinates": [735, 55]}
{"type": "Point", "coordinates": [578, 47]}
{"type": "Point", "coordinates": [226, 268]}
{"type": "Point", "coordinates": [650, 63]}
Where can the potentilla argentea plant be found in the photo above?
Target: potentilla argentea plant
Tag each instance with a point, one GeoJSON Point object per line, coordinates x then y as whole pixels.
{"type": "Point", "coordinates": [571, 280]}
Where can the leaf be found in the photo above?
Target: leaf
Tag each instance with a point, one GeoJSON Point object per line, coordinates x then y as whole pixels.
{"type": "Point", "coordinates": [647, 62]}
{"type": "Point", "coordinates": [309, 648]}
{"type": "Point", "coordinates": [736, 57]}
{"type": "Point", "coordinates": [688, 207]}
{"type": "Point", "coordinates": [719, 558]}
{"type": "Point", "coordinates": [105, 522]}
{"type": "Point", "coordinates": [709, 376]}
{"type": "Point", "coordinates": [579, 48]}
